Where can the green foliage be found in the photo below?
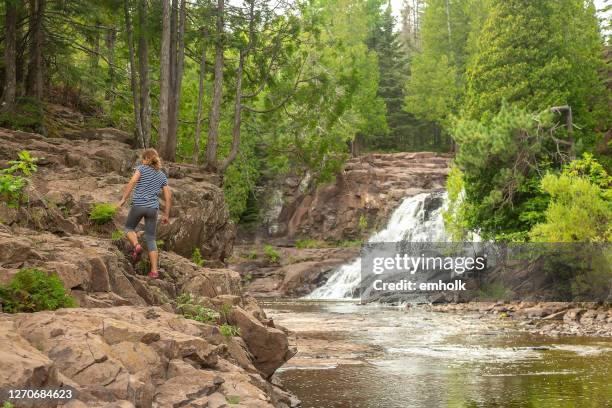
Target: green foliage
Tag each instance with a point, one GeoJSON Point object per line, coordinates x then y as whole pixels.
{"type": "Point", "coordinates": [143, 266]}
{"type": "Point", "coordinates": [191, 308]}
{"type": "Point", "coordinates": [499, 161]}
{"type": "Point", "coordinates": [315, 243]}
{"type": "Point", "coordinates": [160, 243]}
{"type": "Point", "coordinates": [117, 235]}
{"type": "Point", "coordinates": [27, 116]}
{"type": "Point", "coordinates": [11, 189]}
{"type": "Point", "coordinates": [271, 254]}
{"type": "Point", "coordinates": [13, 179]}
{"type": "Point", "coordinates": [101, 213]}
{"type": "Point", "coordinates": [589, 168]}
{"type": "Point", "coordinates": [363, 223]}
{"type": "Point", "coordinates": [25, 164]}
{"type": "Point", "coordinates": [7, 405]}
{"type": "Point", "coordinates": [33, 290]}
{"type": "Point", "coordinates": [538, 55]}
{"type": "Point", "coordinates": [196, 257]}
{"type": "Point", "coordinates": [229, 330]}
{"type": "Point", "coordinates": [454, 218]}
{"type": "Point", "coordinates": [233, 399]}
{"type": "Point", "coordinates": [435, 89]}
{"type": "Point", "coordinates": [579, 211]}
{"type": "Point", "coordinates": [309, 243]}
{"type": "Point", "coordinates": [225, 312]}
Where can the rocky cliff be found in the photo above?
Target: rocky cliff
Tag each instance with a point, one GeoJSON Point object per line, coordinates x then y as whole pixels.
{"type": "Point", "coordinates": [125, 346]}
{"type": "Point", "coordinates": [360, 200]}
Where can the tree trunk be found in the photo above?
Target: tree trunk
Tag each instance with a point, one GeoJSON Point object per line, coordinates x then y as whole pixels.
{"type": "Point", "coordinates": [202, 77]}
{"type": "Point", "coordinates": [178, 58]}
{"type": "Point", "coordinates": [111, 37]}
{"type": "Point", "coordinates": [143, 71]}
{"type": "Point", "coordinates": [133, 73]}
{"type": "Point", "coordinates": [215, 109]}
{"type": "Point", "coordinates": [34, 81]}
{"type": "Point", "coordinates": [10, 59]}
{"type": "Point", "coordinates": [95, 58]}
{"type": "Point", "coordinates": [164, 78]}
{"type": "Point", "coordinates": [237, 116]}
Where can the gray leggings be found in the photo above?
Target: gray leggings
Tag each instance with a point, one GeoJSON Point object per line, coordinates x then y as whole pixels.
{"type": "Point", "coordinates": [150, 216]}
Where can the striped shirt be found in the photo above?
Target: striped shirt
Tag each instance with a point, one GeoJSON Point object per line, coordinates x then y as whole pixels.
{"type": "Point", "coordinates": [148, 187]}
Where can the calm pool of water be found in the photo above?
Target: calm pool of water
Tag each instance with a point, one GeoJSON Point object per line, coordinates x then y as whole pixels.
{"type": "Point", "coordinates": [432, 359]}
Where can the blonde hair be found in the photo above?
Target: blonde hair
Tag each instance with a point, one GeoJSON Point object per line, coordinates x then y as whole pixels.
{"type": "Point", "coordinates": [151, 158]}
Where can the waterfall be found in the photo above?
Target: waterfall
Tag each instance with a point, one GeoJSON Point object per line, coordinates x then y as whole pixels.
{"type": "Point", "coordinates": [417, 219]}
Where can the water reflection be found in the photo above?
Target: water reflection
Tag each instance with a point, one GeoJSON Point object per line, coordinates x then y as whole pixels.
{"type": "Point", "coordinates": [444, 360]}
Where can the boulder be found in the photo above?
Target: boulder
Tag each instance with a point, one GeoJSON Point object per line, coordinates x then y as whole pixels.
{"type": "Point", "coordinates": [127, 356]}
{"type": "Point", "coordinates": [268, 346]}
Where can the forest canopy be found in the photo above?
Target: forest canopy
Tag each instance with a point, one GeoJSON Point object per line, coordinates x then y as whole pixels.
{"type": "Point", "coordinates": [518, 90]}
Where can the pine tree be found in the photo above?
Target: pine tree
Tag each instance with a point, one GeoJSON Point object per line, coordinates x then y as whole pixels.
{"type": "Point", "coordinates": [537, 55]}
{"type": "Point", "coordinates": [403, 128]}
{"type": "Point", "coordinates": [435, 88]}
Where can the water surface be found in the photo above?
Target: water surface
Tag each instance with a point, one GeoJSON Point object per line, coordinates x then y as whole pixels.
{"type": "Point", "coordinates": [428, 359]}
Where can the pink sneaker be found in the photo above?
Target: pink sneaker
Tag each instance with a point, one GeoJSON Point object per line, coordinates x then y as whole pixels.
{"type": "Point", "coordinates": [153, 275]}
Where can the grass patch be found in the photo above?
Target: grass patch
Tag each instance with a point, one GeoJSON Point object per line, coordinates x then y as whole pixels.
{"type": "Point", "coordinates": [102, 213]}
{"type": "Point", "coordinates": [232, 399]}
{"type": "Point", "coordinates": [190, 308]}
{"type": "Point", "coordinates": [33, 290]}
{"type": "Point", "coordinates": [229, 330]}
{"type": "Point", "coordinates": [271, 254]}
{"type": "Point", "coordinates": [196, 257]}
{"type": "Point", "coordinates": [117, 235]}
{"type": "Point", "coordinates": [310, 243]}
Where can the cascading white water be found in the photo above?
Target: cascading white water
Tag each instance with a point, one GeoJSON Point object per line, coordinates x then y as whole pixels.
{"type": "Point", "coordinates": [410, 222]}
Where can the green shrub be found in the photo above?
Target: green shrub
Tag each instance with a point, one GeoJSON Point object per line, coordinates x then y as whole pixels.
{"type": "Point", "coordinates": [232, 399]}
{"type": "Point", "coordinates": [25, 164]}
{"type": "Point", "coordinates": [229, 330]}
{"type": "Point", "coordinates": [363, 223]}
{"type": "Point", "coordinates": [13, 179]}
{"type": "Point", "coordinates": [117, 235]}
{"type": "Point", "coordinates": [226, 312]}
{"type": "Point", "coordinates": [252, 254]}
{"type": "Point", "coordinates": [27, 116]}
{"type": "Point", "coordinates": [160, 243]}
{"type": "Point", "coordinates": [307, 243]}
{"type": "Point", "coordinates": [271, 253]}
{"type": "Point", "coordinates": [11, 189]}
{"type": "Point", "coordinates": [33, 290]}
{"type": "Point", "coordinates": [196, 257]}
{"type": "Point", "coordinates": [191, 309]}
{"type": "Point", "coordinates": [102, 213]}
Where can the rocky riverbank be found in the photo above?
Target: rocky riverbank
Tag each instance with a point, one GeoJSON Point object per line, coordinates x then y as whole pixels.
{"type": "Point", "coordinates": [127, 343]}
{"type": "Point", "coordinates": [545, 318]}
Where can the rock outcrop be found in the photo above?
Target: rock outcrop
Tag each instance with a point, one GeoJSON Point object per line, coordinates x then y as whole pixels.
{"type": "Point", "coordinates": [92, 166]}
{"type": "Point", "coordinates": [361, 199]}
{"type": "Point", "coordinates": [130, 357]}
{"type": "Point", "coordinates": [125, 346]}
{"type": "Point", "coordinates": [296, 273]}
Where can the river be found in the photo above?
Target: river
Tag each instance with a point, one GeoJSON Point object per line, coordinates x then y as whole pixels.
{"type": "Point", "coordinates": [373, 356]}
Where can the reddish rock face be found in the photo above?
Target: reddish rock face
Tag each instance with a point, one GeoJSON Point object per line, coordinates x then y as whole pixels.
{"type": "Point", "coordinates": [134, 356]}
{"type": "Point", "coordinates": [92, 167]}
{"type": "Point", "coordinates": [365, 192]}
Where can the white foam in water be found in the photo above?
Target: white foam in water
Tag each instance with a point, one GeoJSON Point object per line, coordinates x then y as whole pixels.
{"type": "Point", "coordinates": [408, 223]}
